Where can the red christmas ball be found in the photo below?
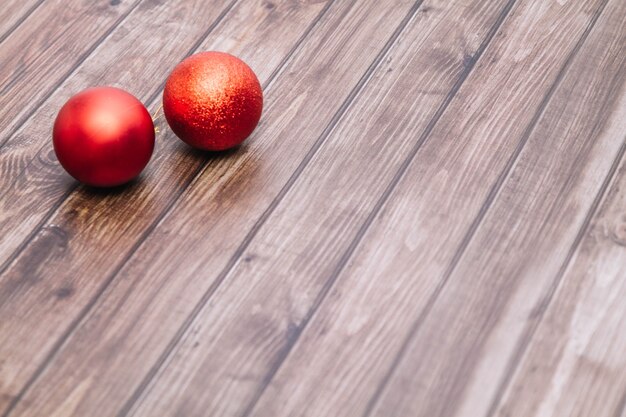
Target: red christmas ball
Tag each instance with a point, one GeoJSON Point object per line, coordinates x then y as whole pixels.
{"type": "Point", "coordinates": [213, 101]}
{"type": "Point", "coordinates": [103, 136]}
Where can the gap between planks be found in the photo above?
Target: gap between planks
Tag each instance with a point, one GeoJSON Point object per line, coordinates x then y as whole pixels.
{"type": "Point", "coordinates": [20, 20]}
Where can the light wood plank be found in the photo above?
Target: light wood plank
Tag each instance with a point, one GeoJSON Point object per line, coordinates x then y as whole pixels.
{"type": "Point", "coordinates": [575, 364]}
{"type": "Point", "coordinates": [253, 319]}
{"type": "Point", "coordinates": [501, 284]}
{"type": "Point", "coordinates": [351, 344]}
{"type": "Point", "coordinates": [13, 13]}
{"type": "Point", "coordinates": [299, 106]}
{"type": "Point", "coordinates": [46, 49]}
{"type": "Point", "coordinates": [38, 302]}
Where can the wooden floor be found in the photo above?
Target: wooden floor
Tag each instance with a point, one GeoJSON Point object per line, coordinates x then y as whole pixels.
{"type": "Point", "coordinates": [430, 219]}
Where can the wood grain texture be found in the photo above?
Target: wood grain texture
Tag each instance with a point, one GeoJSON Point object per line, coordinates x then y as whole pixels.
{"type": "Point", "coordinates": [13, 13]}
{"type": "Point", "coordinates": [575, 365]}
{"type": "Point", "coordinates": [41, 53]}
{"type": "Point", "coordinates": [256, 315]}
{"type": "Point", "coordinates": [576, 360]}
{"type": "Point", "coordinates": [52, 299]}
{"type": "Point", "coordinates": [521, 243]}
{"type": "Point", "coordinates": [350, 344]}
{"type": "Point", "coordinates": [106, 381]}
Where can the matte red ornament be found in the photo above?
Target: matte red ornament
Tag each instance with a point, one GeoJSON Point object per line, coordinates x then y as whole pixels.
{"type": "Point", "coordinates": [103, 136]}
{"type": "Point", "coordinates": [213, 101]}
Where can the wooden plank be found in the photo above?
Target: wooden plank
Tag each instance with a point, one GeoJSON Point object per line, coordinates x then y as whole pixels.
{"type": "Point", "coordinates": [300, 105]}
{"type": "Point", "coordinates": [46, 49]}
{"type": "Point", "coordinates": [42, 305]}
{"type": "Point", "coordinates": [264, 302]}
{"type": "Point", "coordinates": [575, 363]}
{"type": "Point", "coordinates": [13, 13]}
{"type": "Point", "coordinates": [495, 295]}
{"type": "Point", "coordinates": [351, 343]}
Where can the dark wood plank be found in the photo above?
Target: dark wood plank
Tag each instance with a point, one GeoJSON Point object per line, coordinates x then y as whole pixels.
{"type": "Point", "coordinates": [40, 303]}
{"type": "Point", "coordinates": [13, 13]}
{"type": "Point", "coordinates": [266, 300]}
{"type": "Point", "coordinates": [351, 343]}
{"type": "Point", "coordinates": [46, 49]}
{"type": "Point", "coordinates": [495, 295]}
{"type": "Point", "coordinates": [140, 316]}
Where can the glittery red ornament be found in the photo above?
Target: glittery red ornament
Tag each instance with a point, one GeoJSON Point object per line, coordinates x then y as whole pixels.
{"type": "Point", "coordinates": [103, 136]}
{"type": "Point", "coordinates": [213, 101]}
